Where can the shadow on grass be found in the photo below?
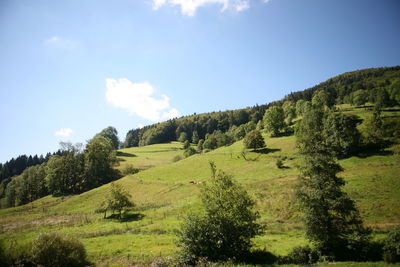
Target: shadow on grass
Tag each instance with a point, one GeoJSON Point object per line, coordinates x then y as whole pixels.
{"type": "Point", "coordinates": [127, 217]}
{"type": "Point", "coordinates": [284, 167]}
{"type": "Point", "coordinates": [370, 153]}
{"type": "Point", "coordinates": [124, 154]}
{"type": "Point", "coordinates": [260, 257]}
{"type": "Point", "coordinates": [266, 150]}
{"type": "Point", "coordinates": [362, 107]}
{"type": "Point", "coordinates": [391, 110]}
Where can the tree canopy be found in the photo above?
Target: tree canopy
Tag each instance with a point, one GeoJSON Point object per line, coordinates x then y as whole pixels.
{"type": "Point", "coordinates": [112, 134]}
{"type": "Point", "coordinates": [331, 218]}
{"type": "Point", "coordinates": [118, 200]}
{"type": "Point", "coordinates": [274, 120]}
{"type": "Point", "coordinates": [254, 140]}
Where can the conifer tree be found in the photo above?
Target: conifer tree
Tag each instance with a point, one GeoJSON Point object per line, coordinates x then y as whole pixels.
{"type": "Point", "coordinates": [331, 218]}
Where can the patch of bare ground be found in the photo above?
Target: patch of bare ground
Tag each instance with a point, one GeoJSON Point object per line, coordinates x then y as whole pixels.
{"type": "Point", "coordinates": [382, 226]}
{"type": "Point", "coordinates": [65, 220]}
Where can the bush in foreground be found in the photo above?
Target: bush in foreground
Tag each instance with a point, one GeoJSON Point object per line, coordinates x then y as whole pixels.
{"type": "Point", "coordinates": [391, 248]}
{"type": "Point", "coordinates": [302, 255]}
{"type": "Point", "coordinates": [225, 229]}
{"type": "Point", "coordinates": [57, 251]}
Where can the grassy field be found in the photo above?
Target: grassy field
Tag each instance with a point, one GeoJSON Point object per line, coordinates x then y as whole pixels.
{"type": "Point", "coordinates": [165, 191]}
{"type": "Point", "coordinates": [149, 156]}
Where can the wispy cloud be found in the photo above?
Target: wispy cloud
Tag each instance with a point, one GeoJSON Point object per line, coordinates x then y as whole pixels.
{"type": "Point", "coordinates": [64, 132]}
{"type": "Point", "coordinates": [189, 7]}
{"type": "Point", "coordinates": [60, 42]}
{"type": "Point", "coordinates": [139, 99]}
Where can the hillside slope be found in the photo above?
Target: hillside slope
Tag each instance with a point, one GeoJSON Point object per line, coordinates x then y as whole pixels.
{"type": "Point", "coordinates": [345, 88]}
{"type": "Point", "coordinates": [163, 194]}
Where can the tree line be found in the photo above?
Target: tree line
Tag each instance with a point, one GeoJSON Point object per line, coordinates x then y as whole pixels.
{"type": "Point", "coordinates": [195, 126]}
{"type": "Point", "coordinates": [73, 170]}
{"type": "Point", "coordinates": [379, 86]}
{"type": "Point", "coordinates": [19, 164]}
{"type": "Point", "coordinates": [376, 84]}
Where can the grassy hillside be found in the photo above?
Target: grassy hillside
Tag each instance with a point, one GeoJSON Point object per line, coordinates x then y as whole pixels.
{"type": "Point", "coordinates": [165, 191]}
{"type": "Point", "coordinates": [146, 157]}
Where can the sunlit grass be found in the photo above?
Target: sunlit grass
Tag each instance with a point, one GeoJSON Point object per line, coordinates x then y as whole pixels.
{"type": "Point", "coordinates": [163, 194]}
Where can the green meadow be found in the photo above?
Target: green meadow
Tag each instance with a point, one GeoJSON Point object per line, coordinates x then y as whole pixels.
{"type": "Point", "coordinates": [165, 191]}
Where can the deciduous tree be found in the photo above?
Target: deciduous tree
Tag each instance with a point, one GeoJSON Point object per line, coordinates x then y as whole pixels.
{"type": "Point", "coordinates": [100, 157]}
{"type": "Point", "coordinates": [112, 134]}
{"type": "Point", "coordinates": [118, 199]}
{"type": "Point", "coordinates": [254, 140]}
{"type": "Point", "coordinates": [225, 229]}
{"type": "Point", "coordinates": [274, 120]}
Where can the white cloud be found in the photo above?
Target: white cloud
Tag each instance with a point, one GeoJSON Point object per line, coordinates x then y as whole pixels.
{"type": "Point", "coordinates": [188, 7]}
{"type": "Point", "coordinates": [242, 5]}
{"type": "Point", "coordinates": [138, 99]}
{"type": "Point", "coordinates": [158, 3]}
{"type": "Point", "coordinates": [64, 132]}
{"type": "Point", "coordinates": [60, 42]}
{"type": "Point", "coordinates": [172, 113]}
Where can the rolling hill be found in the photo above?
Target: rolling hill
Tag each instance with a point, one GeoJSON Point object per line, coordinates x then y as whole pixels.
{"type": "Point", "coordinates": [165, 191]}
{"type": "Point", "coordinates": [167, 186]}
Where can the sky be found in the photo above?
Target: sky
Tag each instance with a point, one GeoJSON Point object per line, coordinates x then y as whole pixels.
{"type": "Point", "coordinates": [69, 69]}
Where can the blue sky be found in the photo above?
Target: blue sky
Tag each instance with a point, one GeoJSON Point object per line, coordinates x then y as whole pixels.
{"type": "Point", "coordinates": [68, 69]}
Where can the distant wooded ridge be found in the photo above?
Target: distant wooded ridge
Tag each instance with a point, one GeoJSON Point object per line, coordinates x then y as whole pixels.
{"type": "Point", "coordinates": [379, 86]}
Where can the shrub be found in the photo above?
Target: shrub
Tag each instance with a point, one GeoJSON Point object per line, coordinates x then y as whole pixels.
{"type": "Point", "coordinates": [129, 169]}
{"type": "Point", "coordinates": [391, 248]}
{"type": "Point", "coordinates": [374, 251]}
{"type": "Point", "coordinates": [15, 255]}
{"type": "Point", "coordinates": [200, 145]}
{"type": "Point", "coordinates": [302, 255]}
{"type": "Point", "coordinates": [279, 163]}
{"type": "Point", "coordinates": [3, 257]}
{"type": "Point", "coordinates": [177, 158]}
{"type": "Point", "coordinates": [258, 257]}
{"type": "Point", "coordinates": [189, 152]}
{"type": "Point", "coordinates": [396, 149]}
{"type": "Point", "coordinates": [186, 144]}
{"type": "Point", "coordinates": [50, 250]}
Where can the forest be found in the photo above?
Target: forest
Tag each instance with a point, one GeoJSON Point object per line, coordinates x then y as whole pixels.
{"type": "Point", "coordinates": [379, 86]}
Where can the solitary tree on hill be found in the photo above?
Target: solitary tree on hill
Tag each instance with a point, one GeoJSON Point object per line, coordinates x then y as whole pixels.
{"type": "Point", "coordinates": [118, 199]}
{"type": "Point", "coordinates": [254, 140]}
